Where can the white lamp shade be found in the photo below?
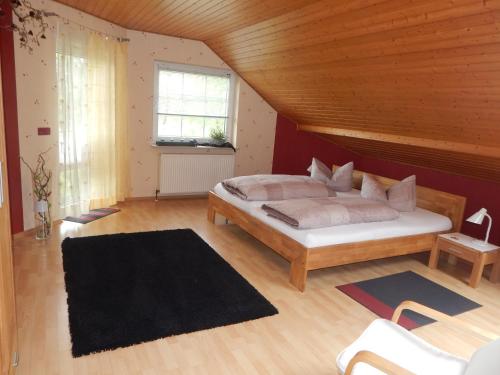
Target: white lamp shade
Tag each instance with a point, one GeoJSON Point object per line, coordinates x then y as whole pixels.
{"type": "Point", "coordinates": [478, 217]}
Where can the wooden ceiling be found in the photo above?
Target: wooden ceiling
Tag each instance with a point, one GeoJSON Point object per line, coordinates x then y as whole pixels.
{"type": "Point", "coordinates": [192, 19]}
{"type": "Point", "coordinates": [416, 81]}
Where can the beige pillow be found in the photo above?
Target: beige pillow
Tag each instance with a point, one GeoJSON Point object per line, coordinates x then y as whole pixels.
{"type": "Point", "coordinates": [403, 195]}
{"type": "Point", "coordinates": [319, 171]}
{"type": "Point", "coordinates": [342, 178]}
{"type": "Point", "coordinates": [372, 189]}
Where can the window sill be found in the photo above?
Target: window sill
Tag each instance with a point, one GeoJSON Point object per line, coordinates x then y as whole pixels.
{"type": "Point", "coordinates": [193, 150]}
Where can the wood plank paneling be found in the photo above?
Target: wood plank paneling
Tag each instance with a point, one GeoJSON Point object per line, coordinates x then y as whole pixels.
{"type": "Point", "coordinates": [481, 167]}
{"type": "Point", "coordinates": [425, 71]}
{"type": "Point", "coordinates": [193, 19]}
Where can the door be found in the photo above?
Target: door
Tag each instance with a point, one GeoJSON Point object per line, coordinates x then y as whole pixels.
{"type": "Point", "coordinates": [8, 325]}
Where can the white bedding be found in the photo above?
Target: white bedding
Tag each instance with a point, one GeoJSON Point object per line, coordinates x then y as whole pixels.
{"type": "Point", "coordinates": [409, 223]}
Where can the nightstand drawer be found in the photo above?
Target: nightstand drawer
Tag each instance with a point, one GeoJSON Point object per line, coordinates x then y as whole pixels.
{"type": "Point", "coordinates": [459, 252]}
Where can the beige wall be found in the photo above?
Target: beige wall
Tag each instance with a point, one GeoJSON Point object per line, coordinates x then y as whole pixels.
{"type": "Point", "coordinates": [37, 103]}
{"type": "Point", "coordinates": [37, 96]}
{"type": "Point", "coordinates": [255, 119]}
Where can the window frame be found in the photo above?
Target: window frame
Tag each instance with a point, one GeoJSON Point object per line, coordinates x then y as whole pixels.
{"type": "Point", "coordinates": [186, 68]}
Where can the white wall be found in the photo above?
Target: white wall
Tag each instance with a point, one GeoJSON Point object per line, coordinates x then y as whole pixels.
{"type": "Point", "coordinates": [255, 119]}
{"type": "Point", "coordinates": [37, 103]}
{"type": "Point", "coordinates": [37, 96]}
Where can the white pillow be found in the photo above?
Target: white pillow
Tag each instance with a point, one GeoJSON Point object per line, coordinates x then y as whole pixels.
{"type": "Point", "coordinates": [372, 189]}
{"type": "Point", "coordinates": [319, 171]}
{"type": "Point", "coordinates": [401, 196]}
{"type": "Point", "coordinates": [342, 178]}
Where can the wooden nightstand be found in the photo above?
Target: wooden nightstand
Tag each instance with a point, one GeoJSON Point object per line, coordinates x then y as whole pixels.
{"type": "Point", "coordinates": [468, 248]}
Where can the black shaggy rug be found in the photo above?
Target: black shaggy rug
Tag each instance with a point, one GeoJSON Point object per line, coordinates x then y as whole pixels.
{"type": "Point", "coordinates": [124, 289]}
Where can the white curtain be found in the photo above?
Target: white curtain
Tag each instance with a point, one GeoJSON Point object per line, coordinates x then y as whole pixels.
{"type": "Point", "coordinates": [74, 173]}
{"type": "Point", "coordinates": [91, 71]}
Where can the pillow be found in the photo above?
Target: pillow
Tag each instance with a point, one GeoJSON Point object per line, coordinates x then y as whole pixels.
{"type": "Point", "coordinates": [319, 171]}
{"type": "Point", "coordinates": [402, 196]}
{"type": "Point", "coordinates": [372, 189]}
{"type": "Point", "coordinates": [342, 178]}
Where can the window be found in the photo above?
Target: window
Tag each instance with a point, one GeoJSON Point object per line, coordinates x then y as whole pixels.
{"type": "Point", "coordinates": [190, 101]}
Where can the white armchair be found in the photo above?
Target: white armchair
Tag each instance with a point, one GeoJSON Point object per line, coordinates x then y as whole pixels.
{"type": "Point", "coordinates": [387, 348]}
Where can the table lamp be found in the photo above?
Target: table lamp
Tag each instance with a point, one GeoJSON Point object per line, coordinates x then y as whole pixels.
{"type": "Point", "coordinates": [478, 218]}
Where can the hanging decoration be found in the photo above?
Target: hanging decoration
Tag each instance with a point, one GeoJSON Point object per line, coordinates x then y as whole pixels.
{"type": "Point", "coordinates": [28, 22]}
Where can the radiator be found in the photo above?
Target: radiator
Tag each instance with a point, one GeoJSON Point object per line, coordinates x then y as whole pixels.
{"type": "Point", "coordinates": [193, 174]}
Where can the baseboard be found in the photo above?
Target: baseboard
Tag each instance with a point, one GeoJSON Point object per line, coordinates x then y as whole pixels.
{"type": "Point", "coordinates": [168, 197]}
{"type": "Point", "coordinates": [32, 231]}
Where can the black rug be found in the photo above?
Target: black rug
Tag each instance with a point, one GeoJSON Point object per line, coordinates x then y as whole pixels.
{"type": "Point", "coordinates": [124, 289]}
{"type": "Point", "coordinates": [383, 294]}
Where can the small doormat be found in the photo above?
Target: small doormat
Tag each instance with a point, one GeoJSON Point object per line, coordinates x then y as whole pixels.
{"type": "Point", "coordinates": [125, 289]}
{"type": "Point", "coordinates": [383, 294]}
{"type": "Point", "coordinates": [92, 215]}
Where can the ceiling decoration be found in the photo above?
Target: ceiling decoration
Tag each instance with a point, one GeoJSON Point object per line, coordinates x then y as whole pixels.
{"type": "Point", "coordinates": [422, 76]}
{"type": "Point", "coordinates": [30, 23]}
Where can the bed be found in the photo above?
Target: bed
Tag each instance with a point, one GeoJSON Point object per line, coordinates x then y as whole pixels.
{"type": "Point", "coordinates": [306, 250]}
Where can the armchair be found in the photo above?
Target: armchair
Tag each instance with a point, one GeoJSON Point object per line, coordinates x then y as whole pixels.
{"type": "Point", "coordinates": [387, 348]}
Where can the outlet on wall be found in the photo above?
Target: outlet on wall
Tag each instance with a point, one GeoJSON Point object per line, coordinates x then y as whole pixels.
{"type": "Point", "coordinates": [43, 131]}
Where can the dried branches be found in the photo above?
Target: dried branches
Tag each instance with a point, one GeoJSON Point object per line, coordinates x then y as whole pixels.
{"type": "Point", "coordinates": [28, 22]}
{"type": "Point", "coordinates": [41, 177]}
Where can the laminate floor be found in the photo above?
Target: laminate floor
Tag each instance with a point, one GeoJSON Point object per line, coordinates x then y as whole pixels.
{"type": "Point", "coordinates": [306, 336]}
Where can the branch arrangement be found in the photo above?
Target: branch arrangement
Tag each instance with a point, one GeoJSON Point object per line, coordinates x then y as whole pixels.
{"type": "Point", "coordinates": [28, 22]}
{"type": "Point", "coordinates": [41, 177]}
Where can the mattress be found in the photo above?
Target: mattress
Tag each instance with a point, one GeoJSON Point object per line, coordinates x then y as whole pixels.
{"type": "Point", "coordinates": [419, 221]}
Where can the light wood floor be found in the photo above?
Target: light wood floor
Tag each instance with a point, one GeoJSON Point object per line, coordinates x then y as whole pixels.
{"type": "Point", "coordinates": [310, 330]}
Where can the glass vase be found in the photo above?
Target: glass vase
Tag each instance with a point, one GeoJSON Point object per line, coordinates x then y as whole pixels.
{"type": "Point", "coordinates": [42, 220]}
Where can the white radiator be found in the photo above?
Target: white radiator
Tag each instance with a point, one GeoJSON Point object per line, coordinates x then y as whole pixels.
{"type": "Point", "coordinates": [193, 174]}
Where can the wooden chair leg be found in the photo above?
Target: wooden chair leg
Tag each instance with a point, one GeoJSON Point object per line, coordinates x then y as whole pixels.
{"type": "Point", "coordinates": [298, 273]}
{"type": "Point", "coordinates": [477, 271]}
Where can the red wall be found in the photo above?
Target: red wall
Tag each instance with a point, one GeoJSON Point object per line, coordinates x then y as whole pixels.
{"type": "Point", "coordinates": [294, 149]}
{"type": "Point", "coordinates": [10, 118]}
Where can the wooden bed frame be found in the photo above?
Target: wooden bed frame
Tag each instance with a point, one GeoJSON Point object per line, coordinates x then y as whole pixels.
{"type": "Point", "coordinates": [305, 259]}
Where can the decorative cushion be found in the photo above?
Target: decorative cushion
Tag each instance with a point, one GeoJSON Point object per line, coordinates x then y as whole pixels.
{"type": "Point", "coordinates": [372, 189]}
{"type": "Point", "coordinates": [486, 360]}
{"type": "Point", "coordinates": [319, 171]}
{"type": "Point", "coordinates": [402, 195]}
{"type": "Point", "coordinates": [342, 178]}
{"type": "Point", "coordinates": [393, 342]}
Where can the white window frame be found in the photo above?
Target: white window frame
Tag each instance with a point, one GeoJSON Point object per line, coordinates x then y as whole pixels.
{"type": "Point", "coordinates": [186, 68]}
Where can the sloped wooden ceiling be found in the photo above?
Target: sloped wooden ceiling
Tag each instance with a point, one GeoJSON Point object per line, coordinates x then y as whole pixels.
{"type": "Point", "coordinates": [412, 81]}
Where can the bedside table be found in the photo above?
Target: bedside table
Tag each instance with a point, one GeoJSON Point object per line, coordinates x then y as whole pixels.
{"type": "Point", "coordinates": [470, 249]}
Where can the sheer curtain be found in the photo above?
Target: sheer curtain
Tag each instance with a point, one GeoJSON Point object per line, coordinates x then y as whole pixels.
{"type": "Point", "coordinates": [92, 92]}
{"type": "Point", "coordinates": [73, 192]}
